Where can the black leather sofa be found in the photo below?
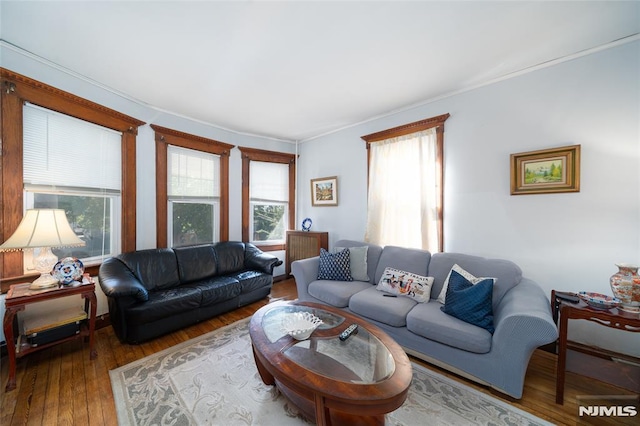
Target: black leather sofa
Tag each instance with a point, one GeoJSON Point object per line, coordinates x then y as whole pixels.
{"type": "Point", "coordinates": [157, 291]}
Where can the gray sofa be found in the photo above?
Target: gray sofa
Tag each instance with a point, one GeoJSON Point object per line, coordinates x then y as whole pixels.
{"type": "Point", "coordinates": [521, 313]}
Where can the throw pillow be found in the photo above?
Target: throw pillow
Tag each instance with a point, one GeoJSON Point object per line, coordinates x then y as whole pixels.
{"type": "Point", "coordinates": [442, 297]}
{"type": "Point", "coordinates": [470, 302]}
{"type": "Point", "coordinates": [357, 262]}
{"type": "Point", "coordinates": [404, 283]}
{"type": "Point", "coordinates": [334, 266]}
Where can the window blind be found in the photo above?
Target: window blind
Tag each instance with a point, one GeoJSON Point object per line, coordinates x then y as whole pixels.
{"type": "Point", "coordinates": [65, 151]}
{"type": "Point", "coordinates": [269, 181]}
{"type": "Point", "coordinates": [192, 173]}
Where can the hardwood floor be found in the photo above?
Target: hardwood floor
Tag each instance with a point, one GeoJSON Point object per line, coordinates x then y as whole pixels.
{"type": "Point", "coordinates": [61, 386]}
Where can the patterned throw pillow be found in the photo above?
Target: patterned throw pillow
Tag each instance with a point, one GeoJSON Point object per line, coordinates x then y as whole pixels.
{"type": "Point", "coordinates": [473, 280]}
{"type": "Point", "coordinates": [470, 302]}
{"type": "Point", "coordinates": [404, 283]}
{"type": "Point", "coordinates": [334, 266]}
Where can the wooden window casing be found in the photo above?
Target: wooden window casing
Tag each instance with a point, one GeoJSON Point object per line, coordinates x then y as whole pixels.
{"type": "Point", "coordinates": [419, 126]}
{"type": "Point", "coordinates": [17, 89]}
{"type": "Point", "coordinates": [165, 137]}
{"type": "Point", "coordinates": [251, 154]}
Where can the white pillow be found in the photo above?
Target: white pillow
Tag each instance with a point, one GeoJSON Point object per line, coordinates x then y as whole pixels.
{"type": "Point", "coordinates": [472, 279]}
{"type": "Point", "coordinates": [357, 262]}
{"type": "Point", "coordinates": [404, 283]}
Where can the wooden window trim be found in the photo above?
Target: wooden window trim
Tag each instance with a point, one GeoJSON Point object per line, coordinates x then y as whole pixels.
{"type": "Point", "coordinates": [16, 89]}
{"type": "Point", "coordinates": [252, 154]}
{"type": "Point", "coordinates": [406, 129]}
{"type": "Point", "coordinates": [165, 137]}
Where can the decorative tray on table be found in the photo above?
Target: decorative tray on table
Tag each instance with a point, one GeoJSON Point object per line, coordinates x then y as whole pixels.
{"type": "Point", "coordinates": [598, 300]}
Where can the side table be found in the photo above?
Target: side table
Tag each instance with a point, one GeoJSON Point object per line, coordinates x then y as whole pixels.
{"type": "Point", "coordinates": [19, 296]}
{"type": "Point", "coordinates": [612, 318]}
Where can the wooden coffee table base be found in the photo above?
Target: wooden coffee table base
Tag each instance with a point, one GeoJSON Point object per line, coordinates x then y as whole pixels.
{"type": "Point", "coordinates": [316, 411]}
{"type": "Point", "coordinates": [314, 408]}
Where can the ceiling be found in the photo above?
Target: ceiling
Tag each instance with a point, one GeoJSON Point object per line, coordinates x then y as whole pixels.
{"type": "Point", "coordinates": [295, 70]}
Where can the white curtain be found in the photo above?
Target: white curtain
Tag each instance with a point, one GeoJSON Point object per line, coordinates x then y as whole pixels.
{"type": "Point", "coordinates": [403, 193]}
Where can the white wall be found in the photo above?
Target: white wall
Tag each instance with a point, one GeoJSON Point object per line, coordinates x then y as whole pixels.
{"type": "Point", "coordinates": [563, 241]}
{"type": "Point", "coordinates": [45, 72]}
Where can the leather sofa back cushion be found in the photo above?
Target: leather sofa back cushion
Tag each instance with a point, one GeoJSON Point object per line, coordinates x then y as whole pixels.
{"type": "Point", "coordinates": [154, 268]}
{"type": "Point", "coordinates": [196, 262]}
{"type": "Point", "coordinates": [507, 273]}
{"type": "Point", "coordinates": [230, 256]}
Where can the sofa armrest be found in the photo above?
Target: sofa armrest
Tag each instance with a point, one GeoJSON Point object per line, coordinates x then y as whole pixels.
{"type": "Point", "coordinates": [523, 322]}
{"type": "Point", "coordinates": [256, 259]}
{"type": "Point", "coordinates": [305, 271]}
{"type": "Point", "coordinates": [117, 280]}
{"type": "Point", "coordinates": [524, 315]}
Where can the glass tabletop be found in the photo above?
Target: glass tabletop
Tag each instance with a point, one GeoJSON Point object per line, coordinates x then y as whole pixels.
{"type": "Point", "coordinates": [362, 358]}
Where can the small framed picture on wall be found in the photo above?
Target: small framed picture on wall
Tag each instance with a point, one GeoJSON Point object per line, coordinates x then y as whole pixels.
{"type": "Point", "coordinates": [324, 191]}
{"type": "Point", "coordinates": [546, 171]}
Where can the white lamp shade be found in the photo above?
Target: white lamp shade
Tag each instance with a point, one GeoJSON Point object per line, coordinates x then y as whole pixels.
{"type": "Point", "coordinates": [42, 228]}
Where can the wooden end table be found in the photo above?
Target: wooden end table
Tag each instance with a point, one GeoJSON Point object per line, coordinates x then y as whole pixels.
{"type": "Point", "coordinates": [19, 296]}
{"type": "Point", "coordinates": [349, 382]}
{"type": "Point", "coordinates": [612, 318]}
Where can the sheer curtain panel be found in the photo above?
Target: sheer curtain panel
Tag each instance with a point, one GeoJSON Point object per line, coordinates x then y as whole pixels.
{"type": "Point", "coordinates": [402, 207]}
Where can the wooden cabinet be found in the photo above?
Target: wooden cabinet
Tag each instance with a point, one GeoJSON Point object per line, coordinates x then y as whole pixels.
{"type": "Point", "coordinates": [304, 244]}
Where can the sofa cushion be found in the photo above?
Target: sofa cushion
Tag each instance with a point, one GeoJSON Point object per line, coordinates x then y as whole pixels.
{"type": "Point", "coordinates": [427, 320]}
{"type": "Point", "coordinates": [507, 273]}
{"type": "Point", "coordinates": [252, 280]}
{"type": "Point", "coordinates": [336, 293]}
{"type": "Point", "coordinates": [372, 303]}
{"type": "Point", "coordinates": [215, 289]}
{"type": "Point", "coordinates": [406, 284]}
{"type": "Point", "coordinates": [154, 268]}
{"type": "Point", "coordinates": [229, 256]}
{"type": "Point", "coordinates": [405, 259]}
{"type": "Point", "coordinates": [470, 302]}
{"type": "Point", "coordinates": [357, 262]}
{"type": "Point", "coordinates": [468, 276]}
{"type": "Point", "coordinates": [195, 262]}
{"type": "Point", "coordinates": [165, 303]}
{"type": "Point", "coordinates": [334, 266]}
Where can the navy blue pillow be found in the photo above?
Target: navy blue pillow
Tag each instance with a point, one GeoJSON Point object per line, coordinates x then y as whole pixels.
{"type": "Point", "coordinates": [470, 302]}
{"type": "Point", "coordinates": [334, 266]}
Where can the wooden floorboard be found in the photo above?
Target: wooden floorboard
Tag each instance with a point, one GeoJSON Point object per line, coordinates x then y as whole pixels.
{"type": "Point", "coordinates": [60, 385]}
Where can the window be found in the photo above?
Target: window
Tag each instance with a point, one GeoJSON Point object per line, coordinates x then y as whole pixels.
{"type": "Point", "coordinates": [193, 196]}
{"type": "Point", "coordinates": [268, 197]}
{"type": "Point", "coordinates": [89, 195]}
{"type": "Point", "coordinates": [405, 191]}
{"type": "Point", "coordinates": [192, 189]}
{"type": "Point", "coordinates": [15, 194]}
{"type": "Point", "coordinates": [268, 202]}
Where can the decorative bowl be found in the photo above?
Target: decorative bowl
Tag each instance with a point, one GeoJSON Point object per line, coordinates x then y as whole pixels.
{"type": "Point", "coordinates": [300, 325]}
{"type": "Point", "coordinates": [598, 300]}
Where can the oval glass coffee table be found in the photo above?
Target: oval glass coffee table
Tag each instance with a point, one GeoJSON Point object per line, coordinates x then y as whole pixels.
{"type": "Point", "coordinates": [355, 381]}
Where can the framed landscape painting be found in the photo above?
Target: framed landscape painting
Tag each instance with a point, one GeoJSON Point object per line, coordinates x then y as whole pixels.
{"type": "Point", "coordinates": [324, 191]}
{"type": "Point", "coordinates": [546, 171]}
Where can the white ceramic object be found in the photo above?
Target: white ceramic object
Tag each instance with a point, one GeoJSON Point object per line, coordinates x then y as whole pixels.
{"type": "Point", "coordinates": [300, 325]}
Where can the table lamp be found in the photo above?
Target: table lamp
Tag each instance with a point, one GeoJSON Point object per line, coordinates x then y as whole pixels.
{"type": "Point", "coordinates": [43, 229]}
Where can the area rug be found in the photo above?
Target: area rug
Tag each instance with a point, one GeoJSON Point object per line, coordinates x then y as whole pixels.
{"type": "Point", "coordinates": [213, 380]}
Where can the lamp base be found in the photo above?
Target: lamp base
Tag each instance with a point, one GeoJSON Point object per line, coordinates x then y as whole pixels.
{"type": "Point", "coordinates": [43, 281]}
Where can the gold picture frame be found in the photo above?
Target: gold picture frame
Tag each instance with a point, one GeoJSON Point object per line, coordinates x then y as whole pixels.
{"type": "Point", "coordinates": [324, 191]}
{"type": "Point", "coordinates": [546, 171]}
